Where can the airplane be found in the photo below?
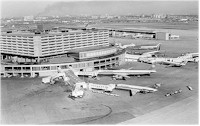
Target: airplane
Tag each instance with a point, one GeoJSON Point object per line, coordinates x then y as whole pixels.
{"type": "Point", "coordinates": [135, 89]}
{"type": "Point", "coordinates": [147, 47]}
{"type": "Point", "coordinates": [124, 46]}
{"type": "Point", "coordinates": [191, 57]}
{"type": "Point", "coordinates": [106, 88]}
{"type": "Point", "coordinates": [124, 73]}
{"type": "Point", "coordinates": [151, 60]}
{"type": "Point", "coordinates": [171, 62]}
{"type": "Point", "coordinates": [79, 85]}
{"type": "Point", "coordinates": [144, 55]}
{"type": "Point", "coordinates": [117, 74]}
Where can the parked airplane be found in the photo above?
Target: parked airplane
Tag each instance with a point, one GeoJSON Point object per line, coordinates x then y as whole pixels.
{"type": "Point", "coordinates": [191, 57]}
{"type": "Point", "coordinates": [176, 62]}
{"type": "Point", "coordinates": [124, 73]}
{"type": "Point", "coordinates": [107, 88]}
{"type": "Point", "coordinates": [173, 63]}
{"type": "Point", "coordinates": [147, 47]}
{"type": "Point", "coordinates": [135, 89]}
{"type": "Point", "coordinates": [137, 57]}
{"type": "Point", "coordinates": [151, 60]}
{"type": "Point", "coordinates": [124, 46]}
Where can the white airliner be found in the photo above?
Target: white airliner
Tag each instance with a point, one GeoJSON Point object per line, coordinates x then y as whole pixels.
{"type": "Point", "coordinates": [174, 62]}
{"type": "Point", "coordinates": [191, 57]}
{"type": "Point", "coordinates": [147, 47]}
{"type": "Point", "coordinates": [106, 88]}
{"type": "Point", "coordinates": [121, 73]}
{"type": "Point", "coordinates": [126, 72]}
{"type": "Point", "coordinates": [137, 57]}
{"type": "Point", "coordinates": [151, 60]}
{"type": "Point", "coordinates": [125, 46]}
{"type": "Point", "coordinates": [135, 89]}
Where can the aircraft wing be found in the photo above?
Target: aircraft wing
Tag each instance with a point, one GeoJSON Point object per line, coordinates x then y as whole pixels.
{"type": "Point", "coordinates": [127, 88]}
{"type": "Point", "coordinates": [123, 75]}
{"type": "Point", "coordinates": [152, 52]}
{"type": "Point", "coordinates": [133, 92]}
{"type": "Point", "coordinates": [171, 64]}
{"type": "Point", "coordinates": [134, 89]}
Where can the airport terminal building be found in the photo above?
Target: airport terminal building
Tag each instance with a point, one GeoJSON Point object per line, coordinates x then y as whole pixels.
{"type": "Point", "coordinates": [39, 46]}
{"type": "Point", "coordinates": [41, 54]}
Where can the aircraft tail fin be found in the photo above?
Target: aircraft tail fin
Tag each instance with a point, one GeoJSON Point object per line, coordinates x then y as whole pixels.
{"type": "Point", "coordinates": [133, 92]}
{"type": "Point", "coordinates": [153, 66]}
{"type": "Point", "coordinates": [158, 46]}
{"type": "Point", "coordinates": [130, 68]}
{"type": "Point", "coordinates": [184, 62]}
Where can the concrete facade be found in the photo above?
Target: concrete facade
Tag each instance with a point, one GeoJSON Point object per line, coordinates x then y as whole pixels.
{"type": "Point", "coordinates": [49, 69]}
{"type": "Point", "coordinates": [34, 45]}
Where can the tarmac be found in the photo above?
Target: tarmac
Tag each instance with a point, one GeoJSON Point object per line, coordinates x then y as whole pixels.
{"type": "Point", "coordinates": [27, 101]}
{"type": "Point", "coordinates": [181, 112]}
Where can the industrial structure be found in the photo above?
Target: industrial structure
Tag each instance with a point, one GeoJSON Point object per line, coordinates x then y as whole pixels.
{"type": "Point", "coordinates": [141, 33]}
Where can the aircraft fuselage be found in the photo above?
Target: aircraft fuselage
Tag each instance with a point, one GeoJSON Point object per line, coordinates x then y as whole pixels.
{"type": "Point", "coordinates": [127, 72]}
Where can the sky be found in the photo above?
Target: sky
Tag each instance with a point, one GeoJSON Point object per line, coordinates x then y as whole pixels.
{"type": "Point", "coordinates": [16, 8]}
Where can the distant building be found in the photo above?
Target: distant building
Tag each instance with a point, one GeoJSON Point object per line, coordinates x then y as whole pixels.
{"type": "Point", "coordinates": [92, 52]}
{"type": "Point", "coordinates": [174, 37]}
{"type": "Point", "coordinates": [166, 36]}
{"type": "Point", "coordinates": [95, 17]}
{"type": "Point", "coordinates": [162, 35]}
{"type": "Point", "coordinates": [41, 18]}
{"type": "Point", "coordinates": [28, 18]}
{"type": "Point", "coordinates": [159, 16]}
{"type": "Point", "coordinates": [40, 28]}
